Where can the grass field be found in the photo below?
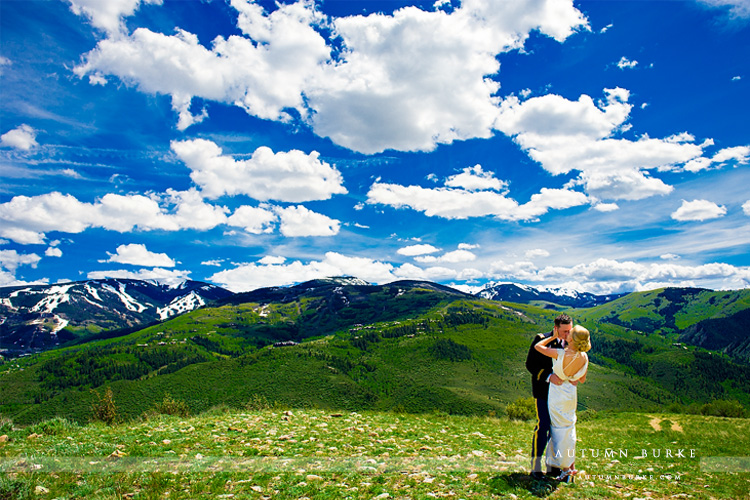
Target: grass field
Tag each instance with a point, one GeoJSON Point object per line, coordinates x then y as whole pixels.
{"type": "Point", "coordinates": [317, 454]}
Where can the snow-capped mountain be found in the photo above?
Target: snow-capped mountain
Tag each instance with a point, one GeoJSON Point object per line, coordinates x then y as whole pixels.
{"type": "Point", "coordinates": [514, 292]}
{"type": "Point", "coordinates": [35, 317]}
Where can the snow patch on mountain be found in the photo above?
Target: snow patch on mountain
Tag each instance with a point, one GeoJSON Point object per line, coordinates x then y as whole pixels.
{"type": "Point", "coordinates": [130, 303]}
{"type": "Point", "coordinates": [180, 305]}
{"type": "Point", "coordinates": [55, 295]}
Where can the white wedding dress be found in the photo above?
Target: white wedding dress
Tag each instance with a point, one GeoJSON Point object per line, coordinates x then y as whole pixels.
{"type": "Point", "coordinates": [562, 402]}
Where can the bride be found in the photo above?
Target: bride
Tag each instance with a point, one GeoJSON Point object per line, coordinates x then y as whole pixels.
{"type": "Point", "coordinates": [570, 364]}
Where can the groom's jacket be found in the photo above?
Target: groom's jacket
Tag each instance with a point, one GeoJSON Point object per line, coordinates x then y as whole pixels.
{"type": "Point", "coordinates": [540, 366]}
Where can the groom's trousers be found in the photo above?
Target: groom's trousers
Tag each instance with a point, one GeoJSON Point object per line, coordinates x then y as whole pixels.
{"type": "Point", "coordinates": [541, 433]}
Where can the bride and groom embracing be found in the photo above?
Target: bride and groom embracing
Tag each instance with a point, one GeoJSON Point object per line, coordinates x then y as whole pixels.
{"type": "Point", "coordinates": [558, 363]}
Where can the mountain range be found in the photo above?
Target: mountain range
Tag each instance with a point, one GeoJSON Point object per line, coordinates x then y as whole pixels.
{"type": "Point", "coordinates": [39, 317]}
{"type": "Point", "coordinates": [341, 343]}
{"type": "Point", "coordinates": [550, 297]}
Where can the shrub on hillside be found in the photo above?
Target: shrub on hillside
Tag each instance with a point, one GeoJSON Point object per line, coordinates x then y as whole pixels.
{"type": "Point", "coordinates": [723, 408]}
{"type": "Point", "coordinates": [6, 425]}
{"type": "Point", "coordinates": [171, 406]}
{"type": "Point", "coordinates": [521, 409]}
{"type": "Point", "coordinates": [103, 408]}
{"type": "Point", "coordinates": [258, 402]}
{"type": "Point", "coordinates": [53, 427]}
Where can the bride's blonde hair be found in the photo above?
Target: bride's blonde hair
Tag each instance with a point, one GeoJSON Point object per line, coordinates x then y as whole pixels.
{"type": "Point", "coordinates": [580, 338]}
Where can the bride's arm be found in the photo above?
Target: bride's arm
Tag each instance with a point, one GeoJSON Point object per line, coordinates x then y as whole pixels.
{"type": "Point", "coordinates": [547, 351]}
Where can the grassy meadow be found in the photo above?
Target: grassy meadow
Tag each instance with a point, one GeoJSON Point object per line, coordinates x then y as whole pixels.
{"type": "Point", "coordinates": [316, 454]}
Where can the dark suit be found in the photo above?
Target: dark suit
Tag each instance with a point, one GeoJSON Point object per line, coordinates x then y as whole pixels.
{"type": "Point", "coordinates": [540, 367]}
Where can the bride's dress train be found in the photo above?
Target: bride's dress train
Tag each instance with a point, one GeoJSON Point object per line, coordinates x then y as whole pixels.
{"type": "Point", "coordinates": [562, 402]}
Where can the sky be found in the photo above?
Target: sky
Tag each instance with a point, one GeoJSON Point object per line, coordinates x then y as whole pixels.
{"type": "Point", "coordinates": [601, 146]}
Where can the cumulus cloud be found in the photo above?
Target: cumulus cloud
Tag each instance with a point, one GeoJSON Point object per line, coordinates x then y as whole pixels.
{"type": "Point", "coordinates": [564, 136]}
{"type": "Point", "coordinates": [300, 221]}
{"type": "Point", "coordinates": [453, 257]}
{"type": "Point", "coordinates": [364, 91]}
{"type": "Point", "coordinates": [26, 219]}
{"type": "Point", "coordinates": [257, 275]}
{"type": "Point", "coordinates": [53, 252]}
{"type": "Point", "coordinates": [167, 276]}
{"type": "Point", "coordinates": [461, 204]}
{"type": "Point", "coordinates": [255, 220]}
{"type": "Point", "coordinates": [625, 63]}
{"type": "Point", "coordinates": [476, 179]}
{"type": "Point", "coordinates": [108, 15]}
{"type": "Point", "coordinates": [285, 176]}
{"type": "Point", "coordinates": [606, 207]}
{"type": "Point", "coordinates": [613, 276]}
{"type": "Point", "coordinates": [467, 246]}
{"type": "Point", "coordinates": [138, 255]}
{"type": "Point", "coordinates": [413, 250]}
{"type": "Point", "coordinates": [22, 137]}
{"type": "Point", "coordinates": [698, 210]}
{"type": "Point", "coordinates": [746, 207]}
{"type": "Point", "coordinates": [11, 259]}
{"type": "Point", "coordinates": [264, 72]}
{"type": "Point", "coordinates": [739, 155]}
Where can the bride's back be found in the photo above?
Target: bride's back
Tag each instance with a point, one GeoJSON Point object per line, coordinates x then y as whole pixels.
{"type": "Point", "coordinates": [573, 362]}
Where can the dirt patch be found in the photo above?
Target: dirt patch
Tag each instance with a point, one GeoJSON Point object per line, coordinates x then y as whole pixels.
{"type": "Point", "coordinates": [655, 423]}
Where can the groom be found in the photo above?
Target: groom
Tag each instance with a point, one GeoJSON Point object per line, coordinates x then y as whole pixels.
{"type": "Point", "coordinates": [540, 367]}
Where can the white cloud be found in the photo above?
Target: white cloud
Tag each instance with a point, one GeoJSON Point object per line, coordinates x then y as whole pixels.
{"type": "Point", "coordinates": [467, 246]}
{"type": "Point", "coordinates": [536, 252]}
{"type": "Point", "coordinates": [214, 263]}
{"type": "Point", "coordinates": [739, 155]}
{"type": "Point", "coordinates": [475, 179]}
{"type": "Point", "coordinates": [168, 276]}
{"type": "Point", "coordinates": [286, 176]}
{"type": "Point", "coordinates": [606, 207]}
{"type": "Point", "coordinates": [251, 276]}
{"type": "Point", "coordinates": [137, 255]}
{"type": "Point", "coordinates": [738, 9]}
{"type": "Point", "coordinates": [270, 259]}
{"type": "Point", "coordinates": [26, 219]}
{"type": "Point", "coordinates": [53, 252]}
{"type": "Point", "coordinates": [453, 257]}
{"type": "Point", "coordinates": [10, 260]}
{"type": "Point", "coordinates": [4, 61]}
{"type": "Point", "coordinates": [462, 204]}
{"type": "Point", "coordinates": [613, 276]}
{"type": "Point", "coordinates": [406, 81]}
{"type": "Point", "coordinates": [107, 15]}
{"type": "Point", "coordinates": [413, 250]}
{"type": "Point", "coordinates": [746, 207]}
{"type": "Point", "coordinates": [300, 221]}
{"type": "Point", "coordinates": [264, 78]}
{"type": "Point", "coordinates": [626, 63]}
{"type": "Point", "coordinates": [255, 220]}
{"type": "Point", "coordinates": [698, 210]}
{"type": "Point", "coordinates": [565, 135]}
{"type": "Point", "coordinates": [435, 92]}
{"type": "Point", "coordinates": [22, 137]}
{"type": "Point", "coordinates": [669, 256]}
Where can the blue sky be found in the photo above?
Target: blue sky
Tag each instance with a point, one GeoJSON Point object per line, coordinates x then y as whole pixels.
{"type": "Point", "coordinates": [602, 146]}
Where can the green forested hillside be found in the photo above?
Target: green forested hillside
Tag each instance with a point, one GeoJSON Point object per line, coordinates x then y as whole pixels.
{"type": "Point", "coordinates": [407, 346]}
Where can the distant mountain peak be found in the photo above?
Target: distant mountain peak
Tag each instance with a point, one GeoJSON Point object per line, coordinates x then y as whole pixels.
{"type": "Point", "coordinates": [33, 317]}
{"type": "Point", "coordinates": [516, 292]}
